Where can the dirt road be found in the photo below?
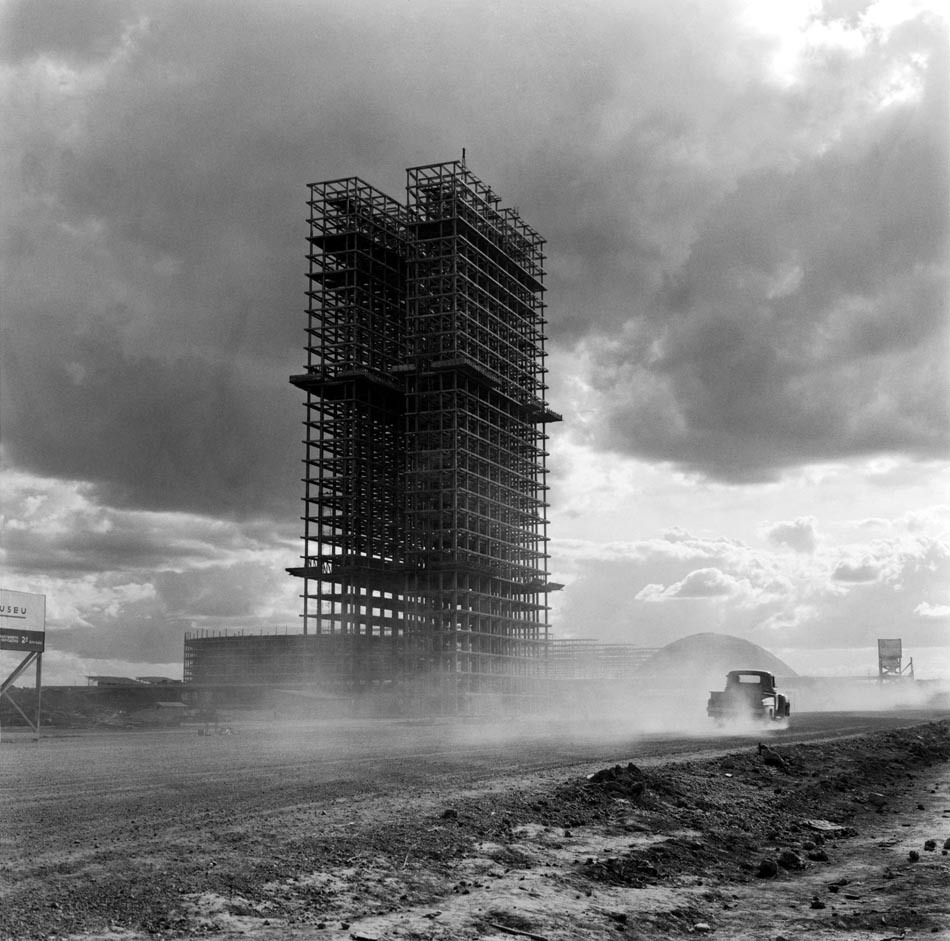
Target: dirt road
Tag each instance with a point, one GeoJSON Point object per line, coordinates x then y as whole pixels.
{"type": "Point", "coordinates": [443, 830]}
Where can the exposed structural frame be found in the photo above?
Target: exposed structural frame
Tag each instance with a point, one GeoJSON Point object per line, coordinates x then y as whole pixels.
{"type": "Point", "coordinates": [425, 528]}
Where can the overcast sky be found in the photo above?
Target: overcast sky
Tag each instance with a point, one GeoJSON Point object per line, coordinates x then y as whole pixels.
{"type": "Point", "coordinates": [746, 207]}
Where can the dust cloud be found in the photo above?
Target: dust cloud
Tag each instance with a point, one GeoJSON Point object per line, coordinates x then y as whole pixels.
{"type": "Point", "coordinates": [863, 694]}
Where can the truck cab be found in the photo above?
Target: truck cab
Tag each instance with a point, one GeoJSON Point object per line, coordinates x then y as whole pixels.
{"type": "Point", "coordinates": [749, 694]}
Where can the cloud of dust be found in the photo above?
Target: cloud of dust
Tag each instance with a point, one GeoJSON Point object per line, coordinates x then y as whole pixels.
{"type": "Point", "coordinates": [863, 694]}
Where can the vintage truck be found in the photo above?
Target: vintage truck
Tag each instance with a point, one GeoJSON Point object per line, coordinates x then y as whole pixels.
{"type": "Point", "coordinates": [749, 694]}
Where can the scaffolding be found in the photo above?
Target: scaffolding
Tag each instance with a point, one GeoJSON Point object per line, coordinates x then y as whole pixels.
{"type": "Point", "coordinates": [588, 659]}
{"type": "Point", "coordinates": [425, 526]}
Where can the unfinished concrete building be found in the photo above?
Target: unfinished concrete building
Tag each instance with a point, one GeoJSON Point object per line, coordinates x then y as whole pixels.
{"type": "Point", "coordinates": [425, 530]}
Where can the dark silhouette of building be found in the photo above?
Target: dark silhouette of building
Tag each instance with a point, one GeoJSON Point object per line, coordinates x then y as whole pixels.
{"type": "Point", "coordinates": [425, 527]}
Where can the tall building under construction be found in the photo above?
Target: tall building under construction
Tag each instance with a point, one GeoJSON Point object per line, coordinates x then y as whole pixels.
{"type": "Point", "coordinates": [424, 524]}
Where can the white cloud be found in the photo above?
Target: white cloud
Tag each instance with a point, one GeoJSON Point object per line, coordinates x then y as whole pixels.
{"type": "Point", "coordinates": [862, 571]}
{"type": "Point", "coordinates": [128, 584]}
{"type": "Point", "coordinates": [700, 583]}
{"type": "Point", "coordinates": [799, 534]}
{"type": "Point", "coordinates": [653, 591]}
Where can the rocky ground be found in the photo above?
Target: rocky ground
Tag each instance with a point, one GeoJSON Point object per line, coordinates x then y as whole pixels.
{"type": "Point", "coordinates": [836, 840]}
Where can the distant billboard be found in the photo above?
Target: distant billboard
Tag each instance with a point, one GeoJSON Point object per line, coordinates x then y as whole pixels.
{"type": "Point", "coordinates": [889, 652]}
{"type": "Point", "coordinates": [889, 648]}
{"type": "Point", "coordinates": [22, 621]}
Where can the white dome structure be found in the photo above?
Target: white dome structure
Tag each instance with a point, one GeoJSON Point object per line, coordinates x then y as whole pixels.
{"type": "Point", "coordinates": [706, 659]}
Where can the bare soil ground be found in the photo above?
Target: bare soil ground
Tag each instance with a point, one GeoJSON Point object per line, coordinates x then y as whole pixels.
{"type": "Point", "coordinates": [845, 839]}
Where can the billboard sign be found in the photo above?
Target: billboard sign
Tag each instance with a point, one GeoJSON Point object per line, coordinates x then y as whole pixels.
{"type": "Point", "coordinates": [889, 648]}
{"type": "Point", "coordinates": [889, 655]}
{"type": "Point", "coordinates": [22, 621]}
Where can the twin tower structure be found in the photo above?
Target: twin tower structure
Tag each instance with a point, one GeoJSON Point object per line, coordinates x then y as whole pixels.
{"type": "Point", "coordinates": [425, 535]}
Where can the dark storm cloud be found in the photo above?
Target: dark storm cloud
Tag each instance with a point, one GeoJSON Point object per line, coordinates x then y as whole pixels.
{"type": "Point", "coordinates": [188, 433]}
{"type": "Point", "coordinates": [156, 239]}
{"type": "Point", "coordinates": [762, 280]}
{"type": "Point", "coordinates": [77, 32]}
{"type": "Point", "coordinates": [158, 251]}
{"type": "Point", "coordinates": [808, 321]}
